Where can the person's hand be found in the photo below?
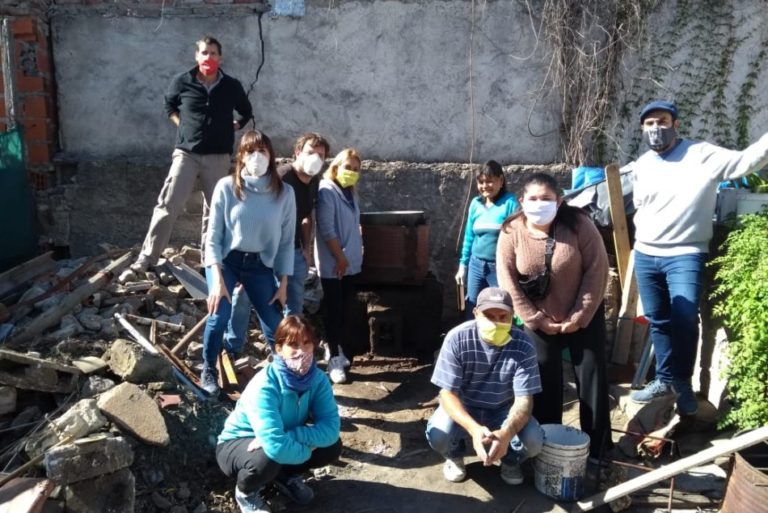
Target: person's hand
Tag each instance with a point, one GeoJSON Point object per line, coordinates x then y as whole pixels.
{"type": "Point", "coordinates": [255, 444]}
{"type": "Point", "coordinates": [461, 275]}
{"type": "Point", "coordinates": [307, 252]}
{"type": "Point", "coordinates": [341, 267]}
{"type": "Point", "coordinates": [499, 447]}
{"type": "Point", "coordinates": [218, 292]}
{"type": "Point", "coordinates": [549, 327]}
{"type": "Point", "coordinates": [481, 437]}
{"type": "Point", "coordinates": [568, 327]}
{"type": "Point", "coordinates": [281, 295]}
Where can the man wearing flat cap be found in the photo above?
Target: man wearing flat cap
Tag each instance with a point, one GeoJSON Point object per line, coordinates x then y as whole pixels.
{"type": "Point", "coordinates": [675, 190]}
{"type": "Point", "coordinates": [487, 374]}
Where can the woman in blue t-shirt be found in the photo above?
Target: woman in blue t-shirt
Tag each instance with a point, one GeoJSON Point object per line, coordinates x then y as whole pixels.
{"type": "Point", "coordinates": [477, 266]}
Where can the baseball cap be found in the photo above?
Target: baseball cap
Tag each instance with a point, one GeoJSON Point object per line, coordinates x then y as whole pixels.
{"type": "Point", "coordinates": [494, 297]}
{"type": "Point", "coordinates": [658, 105]}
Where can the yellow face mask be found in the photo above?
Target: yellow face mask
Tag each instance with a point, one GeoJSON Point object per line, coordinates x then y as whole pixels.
{"type": "Point", "coordinates": [347, 177]}
{"type": "Point", "coordinates": [494, 333]}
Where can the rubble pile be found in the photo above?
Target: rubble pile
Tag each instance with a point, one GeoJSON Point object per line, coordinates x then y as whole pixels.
{"type": "Point", "coordinates": [99, 404]}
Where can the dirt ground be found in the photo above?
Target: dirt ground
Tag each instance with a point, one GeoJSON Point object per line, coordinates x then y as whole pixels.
{"type": "Point", "coordinates": [386, 464]}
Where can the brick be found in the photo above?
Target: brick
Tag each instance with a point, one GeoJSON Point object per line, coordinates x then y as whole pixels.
{"type": "Point", "coordinates": [3, 127]}
{"type": "Point", "coordinates": [27, 84]}
{"type": "Point", "coordinates": [38, 153]}
{"type": "Point", "coordinates": [87, 458]}
{"type": "Point", "coordinates": [34, 107]}
{"type": "Point", "coordinates": [23, 27]}
{"type": "Point", "coordinates": [2, 106]}
{"type": "Point", "coordinates": [36, 130]}
{"type": "Point", "coordinates": [132, 410]}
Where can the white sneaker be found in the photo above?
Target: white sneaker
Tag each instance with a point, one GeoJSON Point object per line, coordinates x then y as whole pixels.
{"type": "Point", "coordinates": [344, 359]}
{"type": "Point", "coordinates": [336, 370]}
{"type": "Point", "coordinates": [454, 470]}
{"type": "Point", "coordinates": [326, 351]}
{"type": "Point", "coordinates": [511, 474]}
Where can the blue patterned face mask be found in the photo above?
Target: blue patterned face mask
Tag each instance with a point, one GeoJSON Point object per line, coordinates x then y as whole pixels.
{"type": "Point", "coordinates": [659, 137]}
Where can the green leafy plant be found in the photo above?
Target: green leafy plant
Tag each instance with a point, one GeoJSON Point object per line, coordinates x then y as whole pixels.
{"type": "Point", "coordinates": [742, 303]}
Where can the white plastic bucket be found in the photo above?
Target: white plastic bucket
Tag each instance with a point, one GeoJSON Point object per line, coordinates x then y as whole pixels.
{"type": "Point", "coordinates": [562, 464]}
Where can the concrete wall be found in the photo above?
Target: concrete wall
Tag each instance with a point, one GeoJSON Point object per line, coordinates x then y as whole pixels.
{"type": "Point", "coordinates": [388, 77]}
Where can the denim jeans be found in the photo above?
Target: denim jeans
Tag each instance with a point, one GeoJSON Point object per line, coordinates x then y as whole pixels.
{"type": "Point", "coordinates": [234, 339]}
{"type": "Point", "coordinates": [450, 440]}
{"type": "Point", "coordinates": [480, 274]}
{"type": "Point", "coordinates": [670, 290]}
{"type": "Point", "coordinates": [259, 283]}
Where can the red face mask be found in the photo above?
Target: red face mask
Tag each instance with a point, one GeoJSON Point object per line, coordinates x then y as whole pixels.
{"type": "Point", "coordinates": [209, 67]}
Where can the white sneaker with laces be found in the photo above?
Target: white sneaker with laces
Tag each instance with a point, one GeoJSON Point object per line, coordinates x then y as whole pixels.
{"type": "Point", "coordinates": [454, 470]}
{"type": "Point", "coordinates": [336, 370]}
{"type": "Point", "coordinates": [511, 474]}
{"type": "Point", "coordinates": [252, 503]}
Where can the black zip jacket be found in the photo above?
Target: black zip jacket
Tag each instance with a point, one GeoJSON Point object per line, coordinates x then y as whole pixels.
{"type": "Point", "coordinates": [206, 118]}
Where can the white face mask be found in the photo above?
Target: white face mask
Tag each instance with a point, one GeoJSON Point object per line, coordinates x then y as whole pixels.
{"type": "Point", "coordinates": [539, 212]}
{"type": "Point", "coordinates": [256, 164]}
{"type": "Point", "coordinates": [311, 164]}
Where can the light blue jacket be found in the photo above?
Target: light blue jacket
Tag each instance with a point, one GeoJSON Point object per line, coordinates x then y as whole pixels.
{"type": "Point", "coordinates": [260, 223]}
{"type": "Point", "coordinates": [277, 416]}
{"type": "Point", "coordinates": [337, 218]}
{"type": "Point", "coordinates": [484, 225]}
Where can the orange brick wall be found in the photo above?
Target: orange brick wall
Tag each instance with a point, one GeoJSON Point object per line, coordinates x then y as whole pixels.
{"type": "Point", "coordinates": [35, 110]}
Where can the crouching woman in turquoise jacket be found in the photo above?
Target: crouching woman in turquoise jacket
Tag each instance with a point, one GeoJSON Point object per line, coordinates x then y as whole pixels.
{"type": "Point", "coordinates": [285, 423]}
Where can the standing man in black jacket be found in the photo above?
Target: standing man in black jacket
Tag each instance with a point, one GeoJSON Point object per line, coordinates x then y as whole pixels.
{"type": "Point", "coordinates": [200, 102]}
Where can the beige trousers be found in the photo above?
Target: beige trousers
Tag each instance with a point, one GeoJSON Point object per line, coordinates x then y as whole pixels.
{"type": "Point", "coordinates": [186, 168]}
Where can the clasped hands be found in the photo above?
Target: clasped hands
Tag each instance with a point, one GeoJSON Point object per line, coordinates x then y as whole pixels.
{"type": "Point", "coordinates": [491, 446]}
{"type": "Point", "coordinates": [551, 327]}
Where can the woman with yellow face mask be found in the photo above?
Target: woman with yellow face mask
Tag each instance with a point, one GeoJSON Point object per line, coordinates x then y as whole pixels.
{"type": "Point", "coordinates": [338, 251]}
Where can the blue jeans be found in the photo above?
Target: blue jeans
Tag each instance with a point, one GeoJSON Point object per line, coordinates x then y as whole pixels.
{"type": "Point", "coordinates": [480, 274]}
{"type": "Point", "coordinates": [670, 289]}
{"type": "Point", "coordinates": [259, 283]}
{"type": "Point", "coordinates": [234, 339]}
{"type": "Point", "coordinates": [450, 440]}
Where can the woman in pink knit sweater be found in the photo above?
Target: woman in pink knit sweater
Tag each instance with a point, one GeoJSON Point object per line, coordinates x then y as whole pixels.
{"type": "Point", "coordinates": [560, 300]}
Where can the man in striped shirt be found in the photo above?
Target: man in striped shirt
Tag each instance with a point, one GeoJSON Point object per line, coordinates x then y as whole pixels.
{"type": "Point", "coordinates": [487, 374]}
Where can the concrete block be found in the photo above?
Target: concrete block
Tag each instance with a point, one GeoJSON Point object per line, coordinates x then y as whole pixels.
{"type": "Point", "coordinates": [87, 458]}
{"type": "Point", "coordinates": [7, 400]}
{"type": "Point", "coordinates": [96, 385]}
{"type": "Point", "coordinates": [80, 420]}
{"type": "Point", "coordinates": [135, 412]}
{"type": "Point", "coordinates": [129, 361]}
{"type": "Point", "coordinates": [108, 493]}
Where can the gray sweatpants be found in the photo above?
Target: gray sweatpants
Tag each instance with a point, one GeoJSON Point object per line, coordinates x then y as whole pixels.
{"type": "Point", "coordinates": [178, 186]}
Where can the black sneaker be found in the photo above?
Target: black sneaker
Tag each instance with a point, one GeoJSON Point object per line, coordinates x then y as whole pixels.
{"type": "Point", "coordinates": [295, 489]}
{"type": "Point", "coordinates": [209, 381]}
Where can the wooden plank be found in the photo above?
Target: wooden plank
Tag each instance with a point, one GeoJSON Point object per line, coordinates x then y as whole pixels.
{"type": "Point", "coordinates": [163, 325]}
{"type": "Point", "coordinates": [618, 220]}
{"type": "Point", "coordinates": [673, 469]}
{"type": "Point", "coordinates": [29, 373]}
{"type": "Point", "coordinates": [22, 273]}
{"type": "Point", "coordinates": [52, 316]}
{"type": "Point", "coordinates": [25, 495]}
{"type": "Point", "coordinates": [184, 342]}
{"type": "Point", "coordinates": [622, 341]}
{"type": "Point", "coordinates": [229, 371]}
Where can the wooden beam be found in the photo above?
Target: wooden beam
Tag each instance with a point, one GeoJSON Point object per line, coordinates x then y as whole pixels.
{"type": "Point", "coordinates": [625, 325]}
{"type": "Point", "coordinates": [22, 273]}
{"type": "Point", "coordinates": [184, 342]}
{"type": "Point", "coordinates": [228, 371]}
{"type": "Point", "coordinates": [53, 315]}
{"type": "Point", "coordinates": [618, 220]}
{"type": "Point", "coordinates": [673, 469]}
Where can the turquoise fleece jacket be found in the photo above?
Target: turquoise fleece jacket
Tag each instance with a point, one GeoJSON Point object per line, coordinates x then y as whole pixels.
{"type": "Point", "coordinates": [483, 226]}
{"type": "Point", "coordinates": [675, 193]}
{"type": "Point", "coordinates": [277, 416]}
{"type": "Point", "coordinates": [260, 223]}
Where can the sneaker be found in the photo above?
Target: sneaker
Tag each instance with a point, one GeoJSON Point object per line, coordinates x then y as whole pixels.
{"type": "Point", "coordinates": [295, 489]}
{"type": "Point", "coordinates": [252, 503]}
{"type": "Point", "coordinates": [687, 404]}
{"type": "Point", "coordinates": [336, 370]}
{"type": "Point", "coordinates": [209, 381]}
{"type": "Point", "coordinates": [326, 351]}
{"type": "Point", "coordinates": [652, 390]}
{"type": "Point", "coordinates": [344, 360]}
{"type": "Point", "coordinates": [454, 470]}
{"type": "Point", "coordinates": [142, 264]}
{"type": "Point", "coordinates": [511, 474]}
